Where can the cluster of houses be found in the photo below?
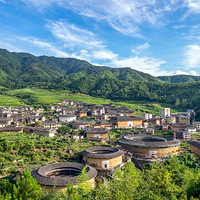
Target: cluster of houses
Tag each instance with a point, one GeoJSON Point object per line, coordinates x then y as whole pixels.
{"type": "Point", "coordinates": [95, 120]}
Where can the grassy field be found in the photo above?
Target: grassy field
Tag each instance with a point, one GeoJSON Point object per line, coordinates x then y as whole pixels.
{"type": "Point", "coordinates": [9, 101]}
{"type": "Point", "coordinates": [53, 97]}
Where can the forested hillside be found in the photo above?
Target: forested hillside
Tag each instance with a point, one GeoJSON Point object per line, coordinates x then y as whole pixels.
{"type": "Point", "coordinates": [179, 78]}
{"type": "Point", "coordinates": [21, 70]}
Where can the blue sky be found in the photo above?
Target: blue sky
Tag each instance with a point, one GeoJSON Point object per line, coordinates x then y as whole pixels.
{"type": "Point", "coordinates": [159, 37]}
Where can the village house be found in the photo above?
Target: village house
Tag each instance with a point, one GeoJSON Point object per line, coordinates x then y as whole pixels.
{"type": "Point", "coordinates": [165, 127]}
{"type": "Point", "coordinates": [156, 122]}
{"type": "Point", "coordinates": [5, 114]}
{"type": "Point", "coordinates": [81, 113]}
{"type": "Point", "coordinates": [165, 112]}
{"type": "Point", "coordinates": [184, 119]}
{"type": "Point", "coordinates": [67, 118]}
{"type": "Point", "coordinates": [182, 135]}
{"type": "Point", "coordinates": [44, 132]}
{"type": "Point", "coordinates": [51, 125]}
{"type": "Point", "coordinates": [146, 116]}
{"type": "Point", "coordinates": [10, 129]}
{"type": "Point", "coordinates": [5, 121]}
{"type": "Point", "coordinates": [148, 131]}
{"type": "Point", "coordinates": [67, 102]}
{"type": "Point", "coordinates": [82, 124]}
{"type": "Point", "coordinates": [195, 147]}
{"type": "Point", "coordinates": [105, 124]}
{"type": "Point", "coordinates": [191, 112]}
{"type": "Point", "coordinates": [97, 134]}
{"type": "Point", "coordinates": [145, 123]}
{"type": "Point", "coordinates": [177, 127]}
{"type": "Point", "coordinates": [126, 121]}
{"type": "Point", "coordinates": [197, 125]}
{"type": "Point", "coordinates": [171, 120]}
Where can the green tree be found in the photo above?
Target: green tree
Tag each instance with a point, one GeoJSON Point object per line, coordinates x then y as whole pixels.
{"type": "Point", "coordinates": [26, 187]}
{"type": "Point", "coordinates": [38, 123]}
{"type": "Point", "coordinates": [177, 102]}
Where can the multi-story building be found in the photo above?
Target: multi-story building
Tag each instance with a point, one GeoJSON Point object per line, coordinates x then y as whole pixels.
{"type": "Point", "coordinates": [164, 113]}
{"type": "Point", "coordinates": [171, 120]}
{"type": "Point", "coordinates": [184, 119]}
{"type": "Point", "coordinates": [146, 116]}
{"type": "Point", "coordinates": [182, 135]}
{"type": "Point", "coordinates": [197, 125]}
{"type": "Point", "coordinates": [126, 121]}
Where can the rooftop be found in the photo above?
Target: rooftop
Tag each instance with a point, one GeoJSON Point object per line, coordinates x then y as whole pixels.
{"type": "Point", "coordinates": [102, 152]}
{"type": "Point", "coordinates": [126, 118]}
{"type": "Point", "coordinates": [60, 174]}
{"type": "Point", "coordinates": [97, 130]}
{"type": "Point", "coordinates": [144, 140]}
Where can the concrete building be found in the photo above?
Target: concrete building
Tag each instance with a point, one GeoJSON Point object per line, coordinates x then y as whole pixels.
{"type": "Point", "coordinates": [126, 121]}
{"type": "Point", "coordinates": [191, 112]}
{"type": "Point", "coordinates": [165, 112]}
{"type": "Point", "coordinates": [197, 125]}
{"type": "Point", "coordinates": [67, 118]}
{"type": "Point", "coordinates": [82, 124]}
{"type": "Point", "coordinates": [146, 116]}
{"type": "Point", "coordinates": [182, 135]}
{"type": "Point", "coordinates": [171, 120]}
{"type": "Point", "coordinates": [97, 134]}
{"type": "Point", "coordinates": [44, 132]}
{"type": "Point", "coordinates": [184, 119]}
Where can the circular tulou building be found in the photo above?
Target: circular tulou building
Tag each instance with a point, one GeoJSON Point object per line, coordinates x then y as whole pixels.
{"type": "Point", "coordinates": [60, 174]}
{"type": "Point", "coordinates": [104, 159]}
{"type": "Point", "coordinates": [150, 146]}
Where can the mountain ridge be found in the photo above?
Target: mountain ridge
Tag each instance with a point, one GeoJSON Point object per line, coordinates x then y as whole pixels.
{"type": "Point", "coordinates": [21, 70]}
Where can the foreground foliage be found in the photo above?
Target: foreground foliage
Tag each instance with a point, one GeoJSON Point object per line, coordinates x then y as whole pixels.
{"type": "Point", "coordinates": [176, 178]}
{"type": "Point", "coordinates": [18, 150]}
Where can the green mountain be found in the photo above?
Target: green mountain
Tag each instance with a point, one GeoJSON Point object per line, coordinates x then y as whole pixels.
{"type": "Point", "coordinates": [179, 78]}
{"type": "Point", "coordinates": [21, 70]}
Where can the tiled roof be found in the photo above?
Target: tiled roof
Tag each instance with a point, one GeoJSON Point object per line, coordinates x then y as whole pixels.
{"type": "Point", "coordinates": [40, 174]}
{"type": "Point", "coordinates": [102, 152]}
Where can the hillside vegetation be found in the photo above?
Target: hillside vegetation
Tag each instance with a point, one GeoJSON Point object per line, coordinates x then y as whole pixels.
{"type": "Point", "coordinates": [22, 70]}
{"type": "Point", "coordinates": [41, 97]}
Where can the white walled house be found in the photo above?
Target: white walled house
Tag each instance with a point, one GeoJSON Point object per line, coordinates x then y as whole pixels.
{"type": "Point", "coordinates": [67, 118]}
{"type": "Point", "coordinates": [165, 112]}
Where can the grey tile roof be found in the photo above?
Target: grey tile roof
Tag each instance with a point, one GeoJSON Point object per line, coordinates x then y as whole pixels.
{"type": "Point", "coordinates": [144, 140]}
{"type": "Point", "coordinates": [102, 152]}
{"type": "Point", "coordinates": [41, 174]}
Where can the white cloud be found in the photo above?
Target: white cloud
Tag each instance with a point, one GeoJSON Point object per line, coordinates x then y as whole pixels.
{"type": "Point", "coordinates": [193, 5]}
{"type": "Point", "coordinates": [192, 56]}
{"type": "Point", "coordinates": [8, 46]}
{"type": "Point", "coordinates": [124, 16]}
{"type": "Point", "coordinates": [180, 26]}
{"type": "Point", "coordinates": [73, 36]}
{"type": "Point", "coordinates": [140, 48]}
{"type": "Point", "coordinates": [45, 45]}
{"type": "Point", "coordinates": [86, 46]}
{"type": "Point", "coordinates": [144, 64]}
{"type": "Point", "coordinates": [179, 72]}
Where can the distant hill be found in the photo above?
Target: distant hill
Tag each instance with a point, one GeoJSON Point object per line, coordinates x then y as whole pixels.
{"type": "Point", "coordinates": [21, 70]}
{"type": "Point", "coordinates": [180, 78]}
{"type": "Point", "coordinates": [18, 69]}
